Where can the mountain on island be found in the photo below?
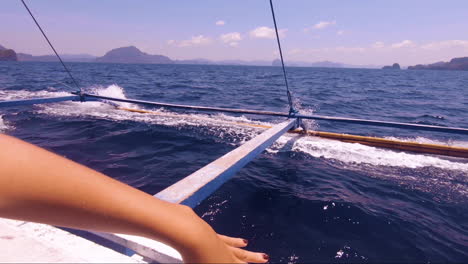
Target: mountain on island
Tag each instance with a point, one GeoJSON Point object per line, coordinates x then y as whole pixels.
{"type": "Point", "coordinates": [7, 54]}
{"type": "Point", "coordinates": [194, 61]}
{"type": "Point", "coordinates": [320, 64]}
{"type": "Point", "coordinates": [455, 64]}
{"type": "Point", "coordinates": [395, 66]}
{"type": "Point", "coordinates": [53, 58]}
{"type": "Point", "coordinates": [224, 62]}
{"type": "Point", "coordinates": [132, 55]}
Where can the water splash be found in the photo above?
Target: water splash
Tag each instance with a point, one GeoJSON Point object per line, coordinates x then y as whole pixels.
{"type": "Point", "coordinates": [3, 125]}
{"type": "Point", "coordinates": [423, 140]}
{"type": "Point", "coordinates": [354, 153]}
{"type": "Point", "coordinates": [226, 128]}
{"type": "Point", "coordinates": [112, 91]}
{"type": "Point", "coordinates": [309, 123]}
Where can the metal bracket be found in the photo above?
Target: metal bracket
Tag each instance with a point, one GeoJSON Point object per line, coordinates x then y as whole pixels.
{"type": "Point", "coordinates": [300, 124]}
{"type": "Point", "coordinates": [81, 95]}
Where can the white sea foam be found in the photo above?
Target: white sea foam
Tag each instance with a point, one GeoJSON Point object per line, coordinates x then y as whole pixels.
{"type": "Point", "coordinates": [454, 143]}
{"type": "Point", "coordinates": [22, 94]}
{"type": "Point", "coordinates": [224, 126]}
{"type": "Point", "coordinates": [446, 178]}
{"type": "Point", "coordinates": [3, 126]}
{"type": "Point", "coordinates": [353, 153]}
{"type": "Point", "coordinates": [218, 124]}
{"type": "Point", "coordinates": [113, 91]}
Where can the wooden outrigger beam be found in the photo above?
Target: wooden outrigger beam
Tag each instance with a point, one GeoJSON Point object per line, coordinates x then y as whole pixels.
{"type": "Point", "coordinates": [197, 186]}
{"type": "Point", "coordinates": [92, 97]}
{"type": "Point", "coordinates": [194, 188]}
{"type": "Point", "coordinates": [393, 144]}
{"type": "Point", "coordinates": [200, 184]}
{"type": "Point", "coordinates": [369, 141]}
{"type": "Point", "coordinates": [455, 130]}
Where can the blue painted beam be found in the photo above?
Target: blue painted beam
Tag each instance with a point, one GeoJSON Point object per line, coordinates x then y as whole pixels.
{"type": "Point", "coordinates": [38, 101]}
{"type": "Point", "coordinates": [89, 97]}
{"type": "Point", "coordinates": [186, 107]}
{"type": "Point", "coordinates": [455, 130]}
{"type": "Point", "coordinates": [197, 186]}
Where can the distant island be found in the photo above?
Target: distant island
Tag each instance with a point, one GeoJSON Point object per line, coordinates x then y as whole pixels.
{"type": "Point", "coordinates": [395, 66]}
{"type": "Point", "coordinates": [132, 54]}
{"type": "Point", "coordinates": [7, 54]}
{"type": "Point", "coordinates": [53, 58]}
{"type": "Point", "coordinates": [322, 64]}
{"type": "Point", "coordinates": [455, 64]}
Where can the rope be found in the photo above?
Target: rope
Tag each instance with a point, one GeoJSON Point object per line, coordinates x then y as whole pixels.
{"type": "Point", "coordinates": [50, 44]}
{"type": "Point", "coordinates": [292, 111]}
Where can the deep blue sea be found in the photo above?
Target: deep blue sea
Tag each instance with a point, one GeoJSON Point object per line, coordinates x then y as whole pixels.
{"type": "Point", "coordinates": [304, 199]}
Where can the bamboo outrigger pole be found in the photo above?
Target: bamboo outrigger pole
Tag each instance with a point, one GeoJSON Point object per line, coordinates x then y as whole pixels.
{"type": "Point", "coordinates": [194, 188]}
{"type": "Point", "coordinates": [369, 141]}
{"type": "Point", "coordinates": [455, 130]}
{"type": "Point", "coordinates": [92, 97]}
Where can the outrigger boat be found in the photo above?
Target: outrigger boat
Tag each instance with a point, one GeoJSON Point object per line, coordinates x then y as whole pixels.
{"type": "Point", "coordinates": [196, 187]}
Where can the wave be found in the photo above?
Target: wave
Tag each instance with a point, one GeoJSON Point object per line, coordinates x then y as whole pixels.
{"type": "Point", "coordinates": [423, 140]}
{"type": "Point", "coordinates": [443, 179]}
{"type": "Point", "coordinates": [23, 94]}
{"type": "Point", "coordinates": [228, 127]}
{"type": "Point", "coordinates": [3, 125]}
{"type": "Point", "coordinates": [354, 153]}
{"type": "Point", "coordinates": [432, 117]}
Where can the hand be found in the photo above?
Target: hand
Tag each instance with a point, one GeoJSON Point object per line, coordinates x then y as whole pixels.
{"type": "Point", "coordinates": [241, 255]}
{"type": "Point", "coordinates": [197, 242]}
{"type": "Point", "coordinates": [39, 186]}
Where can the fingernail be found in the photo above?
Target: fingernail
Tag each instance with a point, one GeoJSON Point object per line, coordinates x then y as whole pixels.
{"type": "Point", "coordinates": [266, 257]}
{"type": "Point", "coordinates": [245, 241]}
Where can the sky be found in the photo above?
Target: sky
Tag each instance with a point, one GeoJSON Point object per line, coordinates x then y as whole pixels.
{"type": "Point", "coordinates": [359, 32]}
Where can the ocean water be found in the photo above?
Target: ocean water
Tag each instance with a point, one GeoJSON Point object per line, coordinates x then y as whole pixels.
{"type": "Point", "coordinates": [305, 199]}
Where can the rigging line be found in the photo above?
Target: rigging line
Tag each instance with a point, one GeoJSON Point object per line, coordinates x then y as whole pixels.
{"type": "Point", "coordinates": [50, 44]}
{"type": "Point", "coordinates": [64, 84]}
{"type": "Point", "coordinates": [291, 107]}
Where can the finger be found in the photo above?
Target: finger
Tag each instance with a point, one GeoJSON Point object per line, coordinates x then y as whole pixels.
{"type": "Point", "coordinates": [249, 256]}
{"type": "Point", "coordinates": [234, 242]}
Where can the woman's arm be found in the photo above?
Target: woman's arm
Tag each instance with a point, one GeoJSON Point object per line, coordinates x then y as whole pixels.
{"type": "Point", "coordinates": [39, 186]}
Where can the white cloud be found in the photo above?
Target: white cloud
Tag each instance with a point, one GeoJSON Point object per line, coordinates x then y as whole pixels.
{"type": "Point", "coordinates": [327, 50]}
{"type": "Point", "coordinates": [194, 41]}
{"type": "Point", "coordinates": [171, 42]}
{"type": "Point", "coordinates": [404, 44]}
{"type": "Point", "coordinates": [266, 32]}
{"type": "Point", "coordinates": [431, 46]}
{"type": "Point", "coordinates": [446, 44]}
{"type": "Point", "coordinates": [378, 45]}
{"type": "Point", "coordinates": [340, 32]}
{"type": "Point", "coordinates": [220, 23]}
{"type": "Point", "coordinates": [324, 24]}
{"type": "Point", "coordinates": [350, 49]}
{"type": "Point", "coordinates": [232, 39]}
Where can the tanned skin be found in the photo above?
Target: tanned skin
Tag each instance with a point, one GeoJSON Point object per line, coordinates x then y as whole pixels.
{"type": "Point", "coordinates": [39, 186]}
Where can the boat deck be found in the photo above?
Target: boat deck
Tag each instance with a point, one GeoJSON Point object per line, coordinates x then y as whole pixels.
{"type": "Point", "coordinates": [32, 242]}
